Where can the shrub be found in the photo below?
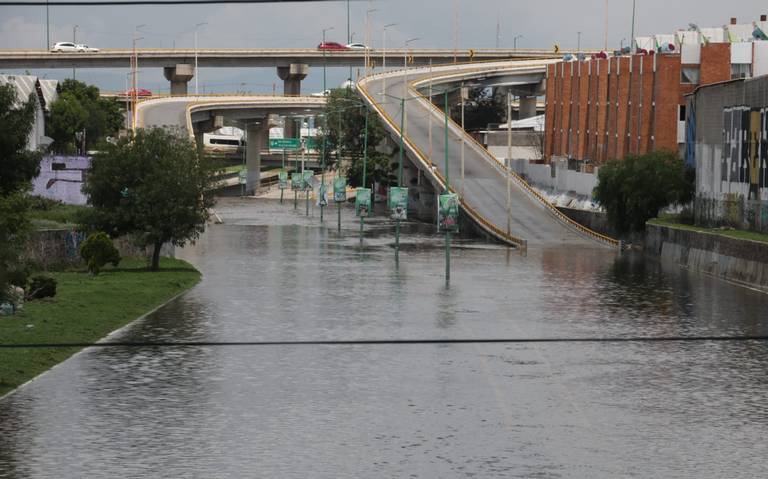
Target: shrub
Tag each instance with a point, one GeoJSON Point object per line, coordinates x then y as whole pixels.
{"type": "Point", "coordinates": [41, 287]}
{"type": "Point", "coordinates": [635, 189]}
{"type": "Point", "coordinates": [97, 250]}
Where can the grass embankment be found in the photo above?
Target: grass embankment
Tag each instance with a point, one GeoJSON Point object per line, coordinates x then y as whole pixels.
{"type": "Point", "coordinates": [85, 309]}
{"type": "Point", "coordinates": [56, 217]}
{"type": "Point", "coordinates": [737, 234]}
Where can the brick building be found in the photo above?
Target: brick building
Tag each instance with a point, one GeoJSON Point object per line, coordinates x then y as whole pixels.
{"type": "Point", "coordinates": [599, 109]}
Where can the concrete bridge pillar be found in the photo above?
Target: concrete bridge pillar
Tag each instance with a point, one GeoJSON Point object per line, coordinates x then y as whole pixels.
{"type": "Point", "coordinates": [292, 76]}
{"type": "Point", "coordinates": [257, 138]}
{"type": "Point", "coordinates": [179, 76]}
{"type": "Point", "coordinates": [527, 107]}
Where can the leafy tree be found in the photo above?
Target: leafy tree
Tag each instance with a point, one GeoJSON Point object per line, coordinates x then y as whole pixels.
{"type": "Point", "coordinates": [67, 117]}
{"type": "Point", "coordinates": [18, 166]}
{"type": "Point", "coordinates": [98, 117]}
{"type": "Point", "coordinates": [480, 109]}
{"type": "Point", "coordinates": [635, 189]}
{"type": "Point", "coordinates": [155, 186]}
{"type": "Point", "coordinates": [345, 116]}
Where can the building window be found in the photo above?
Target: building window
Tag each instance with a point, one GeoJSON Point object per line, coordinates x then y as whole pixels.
{"type": "Point", "coordinates": [681, 114]}
{"type": "Point", "coordinates": [58, 166]}
{"type": "Point", "coordinates": [741, 70]}
{"type": "Point", "coordinates": [689, 75]}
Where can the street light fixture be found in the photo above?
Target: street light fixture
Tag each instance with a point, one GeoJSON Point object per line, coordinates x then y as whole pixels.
{"type": "Point", "coordinates": [514, 41]}
{"type": "Point", "coordinates": [196, 75]}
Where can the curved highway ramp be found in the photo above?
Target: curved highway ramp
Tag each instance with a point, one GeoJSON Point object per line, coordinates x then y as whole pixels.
{"type": "Point", "coordinates": [534, 221]}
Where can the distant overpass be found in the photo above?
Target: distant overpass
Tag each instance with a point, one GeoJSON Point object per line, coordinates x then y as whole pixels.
{"type": "Point", "coordinates": [194, 115]}
{"type": "Point", "coordinates": [292, 64]}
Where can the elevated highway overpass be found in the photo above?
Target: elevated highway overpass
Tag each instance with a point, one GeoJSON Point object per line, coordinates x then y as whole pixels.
{"type": "Point", "coordinates": [492, 196]}
{"type": "Point", "coordinates": [292, 64]}
{"type": "Point", "coordinates": [193, 115]}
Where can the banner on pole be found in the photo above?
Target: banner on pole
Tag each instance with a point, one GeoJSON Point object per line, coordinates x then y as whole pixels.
{"type": "Point", "coordinates": [297, 181]}
{"type": "Point", "coordinates": [398, 203]}
{"type": "Point", "coordinates": [242, 176]}
{"type": "Point", "coordinates": [448, 212]}
{"type": "Point", "coordinates": [363, 202]}
{"type": "Point", "coordinates": [322, 195]}
{"type": "Point", "coordinates": [309, 176]}
{"type": "Point", "coordinates": [282, 179]}
{"type": "Point", "coordinates": [339, 189]}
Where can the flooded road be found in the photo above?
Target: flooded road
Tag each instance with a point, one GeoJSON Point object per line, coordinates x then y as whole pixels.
{"type": "Point", "coordinates": [559, 410]}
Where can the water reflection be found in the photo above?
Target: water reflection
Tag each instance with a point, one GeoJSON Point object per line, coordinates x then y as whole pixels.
{"type": "Point", "coordinates": [565, 410]}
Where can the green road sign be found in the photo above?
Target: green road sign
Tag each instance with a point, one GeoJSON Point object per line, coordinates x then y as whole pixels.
{"type": "Point", "coordinates": [297, 181]}
{"type": "Point", "coordinates": [309, 175]}
{"type": "Point", "coordinates": [282, 179]}
{"type": "Point", "coordinates": [448, 212]}
{"type": "Point", "coordinates": [339, 189]}
{"type": "Point", "coordinates": [243, 176]}
{"type": "Point", "coordinates": [284, 143]}
{"type": "Point", "coordinates": [363, 202]}
{"type": "Point", "coordinates": [398, 203]}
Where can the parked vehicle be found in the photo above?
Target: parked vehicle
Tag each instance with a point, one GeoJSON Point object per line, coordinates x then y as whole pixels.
{"type": "Point", "coordinates": [141, 93]}
{"type": "Point", "coordinates": [82, 47]}
{"type": "Point", "coordinates": [331, 46]}
{"type": "Point", "coordinates": [63, 47]}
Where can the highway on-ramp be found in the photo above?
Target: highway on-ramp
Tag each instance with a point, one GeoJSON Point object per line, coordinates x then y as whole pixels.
{"type": "Point", "coordinates": [533, 221]}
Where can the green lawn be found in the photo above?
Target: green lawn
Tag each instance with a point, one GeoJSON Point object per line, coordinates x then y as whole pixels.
{"type": "Point", "coordinates": [738, 234]}
{"type": "Point", "coordinates": [85, 310]}
{"type": "Point", "coordinates": [58, 216]}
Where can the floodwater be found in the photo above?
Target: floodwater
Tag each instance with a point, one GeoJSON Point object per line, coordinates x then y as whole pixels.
{"type": "Point", "coordinates": [553, 410]}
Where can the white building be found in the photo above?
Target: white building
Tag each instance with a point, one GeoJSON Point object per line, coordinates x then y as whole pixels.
{"type": "Point", "coordinates": [44, 92]}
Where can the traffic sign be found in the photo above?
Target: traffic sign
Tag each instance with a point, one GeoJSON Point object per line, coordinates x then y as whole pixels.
{"type": "Point", "coordinates": [284, 143]}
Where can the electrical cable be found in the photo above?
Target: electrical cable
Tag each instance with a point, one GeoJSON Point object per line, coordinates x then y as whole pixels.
{"type": "Point", "coordinates": [383, 342]}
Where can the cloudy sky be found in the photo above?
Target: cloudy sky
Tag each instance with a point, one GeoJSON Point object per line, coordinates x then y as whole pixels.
{"type": "Point", "coordinates": [542, 24]}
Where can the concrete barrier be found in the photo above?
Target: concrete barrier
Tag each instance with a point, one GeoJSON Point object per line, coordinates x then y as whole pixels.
{"type": "Point", "coordinates": [740, 261]}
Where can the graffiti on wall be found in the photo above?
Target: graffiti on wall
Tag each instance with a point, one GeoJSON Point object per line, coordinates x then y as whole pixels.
{"type": "Point", "coordinates": [745, 149]}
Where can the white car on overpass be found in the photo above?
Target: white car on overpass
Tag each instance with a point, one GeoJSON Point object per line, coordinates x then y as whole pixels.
{"type": "Point", "coordinates": [64, 47]}
{"type": "Point", "coordinates": [82, 47]}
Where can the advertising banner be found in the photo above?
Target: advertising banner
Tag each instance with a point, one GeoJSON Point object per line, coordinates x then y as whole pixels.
{"type": "Point", "coordinates": [282, 179]}
{"type": "Point", "coordinates": [363, 202]}
{"type": "Point", "coordinates": [322, 195]}
{"type": "Point", "coordinates": [398, 203]}
{"type": "Point", "coordinates": [297, 181]}
{"type": "Point", "coordinates": [339, 189]}
{"type": "Point", "coordinates": [448, 212]}
{"type": "Point", "coordinates": [309, 176]}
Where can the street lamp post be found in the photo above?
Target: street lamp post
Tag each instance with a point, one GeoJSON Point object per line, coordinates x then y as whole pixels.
{"type": "Point", "coordinates": [74, 41]}
{"type": "Point", "coordinates": [464, 96]}
{"type": "Point", "coordinates": [509, 162]}
{"type": "Point", "coordinates": [365, 167]}
{"type": "Point", "coordinates": [405, 91]}
{"type": "Point", "coordinates": [368, 38]}
{"type": "Point", "coordinates": [135, 91]}
{"type": "Point", "coordinates": [196, 75]}
{"type": "Point", "coordinates": [384, 55]}
{"type": "Point", "coordinates": [325, 135]}
{"type": "Point", "coordinates": [514, 41]}
{"type": "Point", "coordinates": [578, 41]}
{"type": "Point", "coordinates": [447, 191]}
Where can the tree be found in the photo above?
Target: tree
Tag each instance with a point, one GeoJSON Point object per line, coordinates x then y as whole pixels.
{"type": "Point", "coordinates": [635, 189]}
{"type": "Point", "coordinates": [81, 108]}
{"type": "Point", "coordinates": [480, 109]}
{"type": "Point", "coordinates": [345, 115]}
{"type": "Point", "coordinates": [18, 166]}
{"type": "Point", "coordinates": [155, 186]}
{"type": "Point", "coordinates": [67, 118]}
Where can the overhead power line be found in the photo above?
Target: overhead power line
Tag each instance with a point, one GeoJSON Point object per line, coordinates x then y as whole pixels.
{"type": "Point", "coordinates": [379, 342]}
{"type": "Point", "coordinates": [140, 2]}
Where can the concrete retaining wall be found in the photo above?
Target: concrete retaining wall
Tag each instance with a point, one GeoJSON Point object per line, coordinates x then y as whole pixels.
{"type": "Point", "coordinates": [557, 177]}
{"type": "Point", "coordinates": [740, 261]}
{"type": "Point", "coordinates": [55, 248]}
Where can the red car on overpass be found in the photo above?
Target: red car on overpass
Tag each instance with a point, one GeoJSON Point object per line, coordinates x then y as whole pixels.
{"type": "Point", "coordinates": [331, 46]}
